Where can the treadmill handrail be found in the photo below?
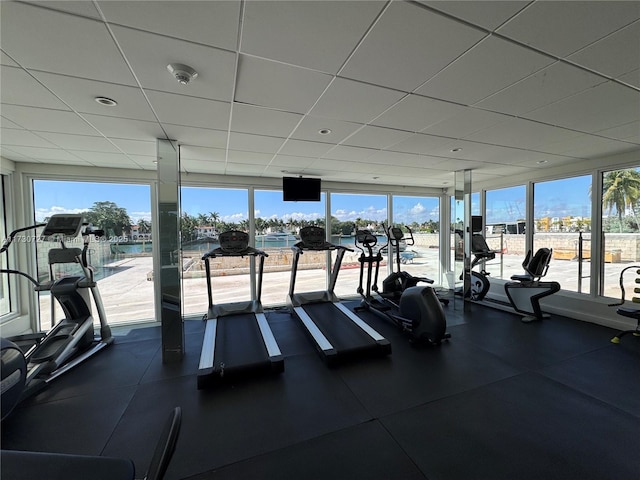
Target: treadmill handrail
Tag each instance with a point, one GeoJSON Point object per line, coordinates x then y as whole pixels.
{"type": "Point", "coordinates": [249, 252]}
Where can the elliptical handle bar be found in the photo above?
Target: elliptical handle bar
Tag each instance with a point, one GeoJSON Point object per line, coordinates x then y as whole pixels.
{"type": "Point", "coordinates": [9, 239]}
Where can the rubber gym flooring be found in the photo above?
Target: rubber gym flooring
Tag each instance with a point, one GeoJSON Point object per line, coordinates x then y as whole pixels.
{"type": "Point", "coordinates": [500, 400]}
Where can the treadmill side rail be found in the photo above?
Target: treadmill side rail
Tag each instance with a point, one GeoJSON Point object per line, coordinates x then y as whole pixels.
{"type": "Point", "coordinates": [358, 321]}
{"type": "Point", "coordinates": [321, 341]}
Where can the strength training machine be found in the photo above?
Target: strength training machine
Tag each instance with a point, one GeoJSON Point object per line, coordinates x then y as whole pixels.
{"type": "Point", "coordinates": [417, 310]}
{"type": "Point", "coordinates": [237, 339]}
{"type": "Point", "coordinates": [336, 331]}
{"type": "Point", "coordinates": [31, 361]}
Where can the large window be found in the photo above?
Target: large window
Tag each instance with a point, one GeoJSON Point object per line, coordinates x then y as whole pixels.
{"type": "Point", "coordinates": [620, 227]}
{"type": "Point", "coordinates": [562, 221]}
{"type": "Point", "coordinates": [349, 212]}
{"type": "Point", "coordinates": [505, 213]}
{"type": "Point", "coordinates": [206, 212]}
{"type": "Point", "coordinates": [277, 226]}
{"type": "Point", "coordinates": [5, 292]}
{"type": "Point", "coordinates": [122, 260]}
{"type": "Point", "coordinates": [422, 216]}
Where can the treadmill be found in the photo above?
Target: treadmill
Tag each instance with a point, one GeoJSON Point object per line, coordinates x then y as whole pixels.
{"type": "Point", "coordinates": [237, 339]}
{"type": "Point", "coordinates": [336, 331]}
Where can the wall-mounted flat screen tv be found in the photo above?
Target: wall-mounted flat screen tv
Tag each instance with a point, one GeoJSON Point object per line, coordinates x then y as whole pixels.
{"type": "Point", "coordinates": [298, 189]}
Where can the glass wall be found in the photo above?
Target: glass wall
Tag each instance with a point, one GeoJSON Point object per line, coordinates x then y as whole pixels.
{"type": "Point", "coordinates": [206, 212]}
{"type": "Point", "coordinates": [277, 226]}
{"type": "Point", "coordinates": [562, 221]}
{"type": "Point", "coordinates": [5, 292]}
{"type": "Point", "coordinates": [620, 229]}
{"type": "Point", "coordinates": [419, 256]}
{"type": "Point", "coordinates": [122, 259]}
{"type": "Point", "coordinates": [348, 213]}
{"type": "Point", "coordinates": [505, 214]}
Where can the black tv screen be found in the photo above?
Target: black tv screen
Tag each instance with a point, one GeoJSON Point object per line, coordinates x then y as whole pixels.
{"type": "Point", "coordinates": [298, 189]}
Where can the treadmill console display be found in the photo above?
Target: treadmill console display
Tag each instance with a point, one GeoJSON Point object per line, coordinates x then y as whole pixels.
{"type": "Point", "coordinates": [312, 237]}
{"type": "Point", "coordinates": [63, 224]}
{"type": "Point", "coordinates": [234, 242]}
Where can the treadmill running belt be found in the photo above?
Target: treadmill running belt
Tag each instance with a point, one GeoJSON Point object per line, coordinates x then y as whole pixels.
{"type": "Point", "coordinates": [239, 342]}
{"type": "Point", "coordinates": [341, 332]}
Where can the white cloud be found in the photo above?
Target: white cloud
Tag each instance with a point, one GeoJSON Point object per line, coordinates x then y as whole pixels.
{"type": "Point", "coordinates": [42, 213]}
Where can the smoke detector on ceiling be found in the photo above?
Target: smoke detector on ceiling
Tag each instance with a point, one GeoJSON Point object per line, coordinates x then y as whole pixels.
{"type": "Point", "coordinates": [184, 74]}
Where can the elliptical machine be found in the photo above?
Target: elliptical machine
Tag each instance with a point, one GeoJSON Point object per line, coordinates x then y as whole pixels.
{"type": "Point", "coordinates": [31, 361]}
{"type": "Point", "coordinates": [398, 281]}
{"type": "Point", "coordinates": [417, 311]}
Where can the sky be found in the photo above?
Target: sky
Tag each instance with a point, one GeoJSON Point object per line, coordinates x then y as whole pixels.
{"type": "Point", "coordinates": [554, 199]}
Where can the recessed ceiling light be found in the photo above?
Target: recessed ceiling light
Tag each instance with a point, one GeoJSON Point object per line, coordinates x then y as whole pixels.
{"type": "Point", "coordinates": [324, 131]}
{"type": "Point", "coordinates": [540, 162]}
{"type": "Point", "coordinates": [107, 102]}
{"type": "Point", "coordinates": [457, 149]}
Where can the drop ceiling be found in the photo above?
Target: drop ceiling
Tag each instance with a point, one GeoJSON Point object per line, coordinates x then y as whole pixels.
{"type": "Point", "coordinates": [345, 90]}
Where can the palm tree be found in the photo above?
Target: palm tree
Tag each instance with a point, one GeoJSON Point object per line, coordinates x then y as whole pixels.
{"type": "Point", "coordinates": [621, 189]}
{"type": "Point", "coordinates": [214, 217]}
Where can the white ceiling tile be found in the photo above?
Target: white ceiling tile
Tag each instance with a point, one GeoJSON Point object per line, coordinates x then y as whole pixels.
{"type": "Point", "coordinates": [84, 8]}
{"type": "Point", "coordinates": [354, 101]}
{"type": "Point", "coordinates": [304, 148]}
{"type": "Point", "coordinates": [254, 143]}
{"type": "Point", "coordinates": [605, 106]}
{"type": "Point", "coordinates": [6, 61]}
{"type": "Point", "coordinates": [79, 142]}
{"type": "Point", "coordinates": [75, 46]}
{"type": "Point", "coordinates": [188, 152]}
{"type": "Point", "coordinates": [629, 132]}
{"type": "Point", "coordinates": [521, 133]}
{"type": "Point", "coordinates": [376, 137]}
{"type": "Point", "coordinates": [190, 111]}
{"type": "Point", "coordinates": [493, 64]}
{"type": "Point", "coordinates": [276, 85]}
{"type": "Point", "coordinates": [291, 162]}
{"type": "Point", "coordinates": [20, 88]}
{"type": "Point", "coordinates": [145, 161]}
{"type": "Point", "coordinates": [25, 138]}
{"type": "Point", "coordinates": [244, 169]}
{"type": "Point", "coordinates": [589, 146]}
{"type": "Point", "coordinates": [249, 158]}
{"type": "Point", "coordinates": [210, 23]}
{"type": "Point", "coordinates": [343, 152]}
{"type": "Point", "coordinates": [262, 121]}
{"type": "Point", "coordinates": [547, 86]}
{"type": "Point", "coordinates": [468, 121]}
{"type": "Point", "coordinates": [202, 137]}
{"type": "Point", "coordinates": [7, 153]}
{"type": "Point", "coordinates": [202, 166]}
{"type": "Point", "coordinates": [314, 34]}
{"type": "Point", "coordinates": [136, 147]}
{"type": "Point", "coordinates": [631, 78]}
{"type": "Point", "coordinates": [103, 159]}
{"type": "Point", "coordinates": [125, 128]}
{"type": "Point", "coordinates": [614, 55]}
{"type": "Point", "coordinates": [488, 14]}
{"type": "Point", "coordinates": [310, 127]}
{"type": "Point", "coordinates": [46, 120]}
{"type": "Point", "coordinates": [419, 143]}
{"type": "Point", "coordinates": [561, 28]}
{"type": "Point", "coordinates": [149, 55]}
{"type": "Point", "coordinates": [80, 94]}
{"type": "Point", "coordinates": [415, 113]}
{"type": "Point", "coordinates": [397, 159]}
{"type": "Point", "coordinates": [38, 153]}
{"type": "Point", "coordinates": [411, 40]}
